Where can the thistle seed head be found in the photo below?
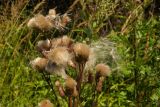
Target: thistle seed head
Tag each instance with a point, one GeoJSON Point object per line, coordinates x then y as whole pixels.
{"type": "Point", "coordinates": [103, 70]}
{"type": "Point", "coordinates": [32, 23]}
{"type": "Point", "coordinates": [63, 41]}
{"type": "Point", "coordinates": [81, 51]}
{"type": "Point", "coordinates": [70, 83]}
{"type": "Point", "coordinates": [39, 63]}
{"type": "Point", "coordinates": [40, 22]}
{"type": "Point", "coordinates": [60, 56]}
{"type": "Point", "coordinates": [45, 103]}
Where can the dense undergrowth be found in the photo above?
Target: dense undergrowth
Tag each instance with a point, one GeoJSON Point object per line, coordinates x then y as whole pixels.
{"type": "Point", "coordinates": [131, 27]}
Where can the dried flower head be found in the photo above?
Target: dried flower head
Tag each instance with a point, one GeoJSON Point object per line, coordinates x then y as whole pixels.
{"type": "Point", "coordinates": [39, 63]}
{"type": "Point", "coordinates": [81, 51]}
{"type": "Point", "coordinates": [70, 83]}
{"type": "Point", "coordinates": [63, 41]}
{"type": "Point", "coordinates": [40, 22]}
{"type": "Point", "coordinates": [54, 69]}
{"type": "Point", "coordinates": [60, 56]}
{"type": "Point", "coordinates": [103, 70]}
{"type": "Point", "coordinates": [45, 103]}
{"type": "Point", "coordinates": [43, 45]}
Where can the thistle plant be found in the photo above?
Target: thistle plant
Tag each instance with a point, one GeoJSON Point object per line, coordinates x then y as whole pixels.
{"type": "Point", "coordinates": [60, 54]}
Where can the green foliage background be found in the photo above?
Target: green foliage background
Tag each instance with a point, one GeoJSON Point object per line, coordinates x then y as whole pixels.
{"type": "Point", "coordinates": [135, 32]}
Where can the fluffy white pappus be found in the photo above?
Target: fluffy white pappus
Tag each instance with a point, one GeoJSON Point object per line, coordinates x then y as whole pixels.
{"type": "Point", "coordinates": [90, 64]}
{"type": "Point", "coordinates": [54, 69]}
{"type": "Point", "coordinates": [103, 51]}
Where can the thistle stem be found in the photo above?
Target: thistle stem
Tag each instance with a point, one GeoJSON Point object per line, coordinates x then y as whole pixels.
{"type": "Point", "coordinates": [69, 101]}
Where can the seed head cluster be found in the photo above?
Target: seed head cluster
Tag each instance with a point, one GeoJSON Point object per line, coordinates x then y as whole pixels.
{"type": "Point", "coordinates": [59, 54]}
{"type": "Point", "coordinates": [50, 21]}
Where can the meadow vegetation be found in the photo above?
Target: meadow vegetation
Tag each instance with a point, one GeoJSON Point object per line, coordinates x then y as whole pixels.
{"type": "Point", "coordinates": [124, 33]}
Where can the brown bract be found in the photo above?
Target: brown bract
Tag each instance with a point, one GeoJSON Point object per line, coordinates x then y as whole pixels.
{"type": "Point", "coordinates": [81, 51]}
{"type": "Point", "coordinates": [45, 103]}
{"type": "Point", "coordinates": [103, 70]}
{"type": "Point", "coordinates": [39, 63]}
